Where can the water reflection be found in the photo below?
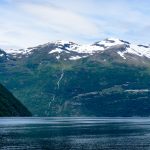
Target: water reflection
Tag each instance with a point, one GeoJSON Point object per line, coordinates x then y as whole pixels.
{"type": "Point", "coordinates": [74, 133]}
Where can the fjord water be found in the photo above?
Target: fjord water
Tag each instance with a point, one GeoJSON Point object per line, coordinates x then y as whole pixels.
{"type": "Point", "coordinates": [74, 133]}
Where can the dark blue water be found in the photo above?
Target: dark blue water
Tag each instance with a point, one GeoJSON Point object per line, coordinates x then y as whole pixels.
{"type": "Point", "coordinates": [75, 134]}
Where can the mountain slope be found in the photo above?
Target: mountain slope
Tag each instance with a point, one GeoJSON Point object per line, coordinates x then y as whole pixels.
{"type": "Point", "coordinates": [10, 106]}
{"type": "Point", "coordinates": [108, 78]}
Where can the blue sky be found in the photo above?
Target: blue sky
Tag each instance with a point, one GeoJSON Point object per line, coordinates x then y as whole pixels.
{"type": "Point", "coordinates": [25, 23]}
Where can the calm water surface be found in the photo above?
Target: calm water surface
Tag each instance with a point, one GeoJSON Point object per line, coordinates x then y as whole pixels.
{"type": "Point", "coordinates": [75, 134]}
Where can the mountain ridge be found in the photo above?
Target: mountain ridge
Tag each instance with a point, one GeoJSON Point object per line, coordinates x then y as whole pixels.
{"type": "Point", "coordinates": [62, 79]}
{"type": "Point", "coordinates": [61, 46]}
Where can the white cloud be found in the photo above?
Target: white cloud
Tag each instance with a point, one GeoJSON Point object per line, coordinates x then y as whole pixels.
{"type": "Point", "coordinates": [32, 22]}
{"type": "Point", "coordinates": [61, 19]}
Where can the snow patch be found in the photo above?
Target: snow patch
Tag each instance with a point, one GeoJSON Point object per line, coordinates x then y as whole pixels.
{"type": "Point", "coordinates": [121, 54]}
{"type": "Point", "coordinates": [110, 42]}
{"type": "Point", "coordinates": [1, 55]}
{"type": "Point", "coordinates": [58, 57]}
{"type": "Point", "coordinates": [57, 50]}
{"type": "Point", "coordinates": [138, 50]}
{"type": "Point", "coordinates": [90, 49]}
{"type": "Point", "coordinates": [75, 57]}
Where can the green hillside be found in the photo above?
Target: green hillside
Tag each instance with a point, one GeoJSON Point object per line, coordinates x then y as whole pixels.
{"type": "Point", "coordinates": [101, 84]}
{"type": "Point", "coordinates": [10, 106]}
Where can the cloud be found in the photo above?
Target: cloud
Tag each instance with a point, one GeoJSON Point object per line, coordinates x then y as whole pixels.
{"type": "Point", "coordinates": [32, 22]}
{"type": "Point", "coordinates": [61, 19]}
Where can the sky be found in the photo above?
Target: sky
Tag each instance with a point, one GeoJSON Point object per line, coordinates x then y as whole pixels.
{"type": "Point", "coordinates": [27, 23]}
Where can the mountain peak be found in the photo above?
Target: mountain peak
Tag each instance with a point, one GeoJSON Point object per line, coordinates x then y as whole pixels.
{"type": "Point", "coordinates": [64, 42]}
{"type": "Point", "coordinates": [59, 46]}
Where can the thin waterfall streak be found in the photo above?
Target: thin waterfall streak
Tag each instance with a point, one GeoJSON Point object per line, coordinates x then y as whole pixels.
{"type": "Point", "coordinates": [57, 88]}
{"type": "Point", "coordinates": [58, 82]}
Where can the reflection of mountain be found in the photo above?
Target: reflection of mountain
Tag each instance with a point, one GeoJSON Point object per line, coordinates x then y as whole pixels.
{"type": "Point", "coordinates": [10, 106]}
{"type": "Point", "coordinates": [107, 78]}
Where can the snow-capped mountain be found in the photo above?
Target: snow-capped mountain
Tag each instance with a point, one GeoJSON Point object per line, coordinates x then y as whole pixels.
{"type": "Point", "coordinates": [61, 78]}
{"type": "Point", "coordinates": [76, 51]}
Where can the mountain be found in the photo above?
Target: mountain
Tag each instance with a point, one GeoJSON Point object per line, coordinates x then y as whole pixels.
{"type": "Point", "coordinates": [76, 51]}
{"type": "Point", "coordinates": [62, 78]}
{"type": "Point", "coordinates": [10, 106]}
